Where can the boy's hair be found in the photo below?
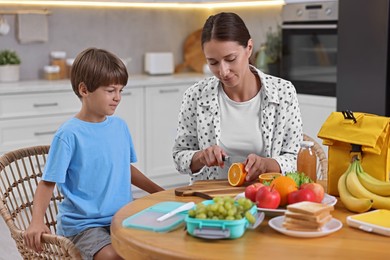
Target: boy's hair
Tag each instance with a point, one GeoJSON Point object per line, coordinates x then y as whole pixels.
{"type": "Point", "coordinates": [95, 68]}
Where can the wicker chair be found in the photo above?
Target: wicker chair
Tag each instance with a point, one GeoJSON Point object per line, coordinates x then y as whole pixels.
{"type": "Point", "coordinates": [20, 172]}
{"type": "Point", "coordinates": [321, 156]}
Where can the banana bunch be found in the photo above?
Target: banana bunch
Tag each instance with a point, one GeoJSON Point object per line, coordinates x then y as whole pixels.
{"type": "Point", "coordinates": [360, 192]}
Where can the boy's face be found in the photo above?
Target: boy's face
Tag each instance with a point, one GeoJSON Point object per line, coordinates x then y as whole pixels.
{"type": "Point", "coordinates": [102, 102]}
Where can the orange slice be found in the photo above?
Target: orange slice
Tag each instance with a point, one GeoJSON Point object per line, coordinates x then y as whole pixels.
{"type": "Point", "coordinates": [237, 174]}
{"type": "Point", "coordinates": [268, 177]}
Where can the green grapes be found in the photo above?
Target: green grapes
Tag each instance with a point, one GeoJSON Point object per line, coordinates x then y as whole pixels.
{"type": "Point", "coordinates": [224, 208]}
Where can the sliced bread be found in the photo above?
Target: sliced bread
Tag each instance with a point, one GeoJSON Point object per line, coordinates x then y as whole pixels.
{"type": "Point", "coordinates": [309, 208]}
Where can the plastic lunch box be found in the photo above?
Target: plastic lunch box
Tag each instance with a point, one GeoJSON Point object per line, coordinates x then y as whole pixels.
{"type": "Point", "coordinates": [221, 229]}
{"type": "Point", "coordinates": [376, 221]}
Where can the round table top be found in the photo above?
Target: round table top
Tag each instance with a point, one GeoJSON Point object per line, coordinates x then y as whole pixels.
{"type": "Point", "coordinates": [346, 243]}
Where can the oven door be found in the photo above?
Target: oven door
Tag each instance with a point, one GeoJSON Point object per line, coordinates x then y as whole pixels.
{"type": "Point", "coordinates": [309, 57]}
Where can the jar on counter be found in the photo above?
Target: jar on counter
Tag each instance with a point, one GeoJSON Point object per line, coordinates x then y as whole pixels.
{"type": "Point", "coordinates": [51, 72]}
{"type": "Point", "coordinates": [58, 59]}
{"type": "Point", "coordinates": [69, 63]}
{"type": "Point", "coordinates": [307, 160]}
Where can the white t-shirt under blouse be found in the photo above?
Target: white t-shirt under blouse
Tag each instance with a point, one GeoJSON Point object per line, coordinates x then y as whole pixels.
{"type": "Point", "coordinates": [240, 128]}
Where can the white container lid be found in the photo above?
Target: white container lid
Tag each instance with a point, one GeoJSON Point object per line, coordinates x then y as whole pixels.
{"type": "Point", "coordinates": [69, 62]}
{"type": "Point", "coordinates": [51, 69]}
{"type": "Point", "coordinates": [58, 54]}
{"type": "Point", "coordinates": [307, 143]}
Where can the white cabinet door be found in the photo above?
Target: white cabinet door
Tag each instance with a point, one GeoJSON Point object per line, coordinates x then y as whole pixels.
{"type": "Point", "coordinates": [20, 133]}
{"type": "Point", "coordinates": [29, 119]}
{"type": "Point", "coordinates": [38, 104]}
{"type": "Point", "coordinates": [131, 109]}
{"type": "Point", "coordinates": [162, 110]}
{"type": "Point", "coordinates": [315, 110]}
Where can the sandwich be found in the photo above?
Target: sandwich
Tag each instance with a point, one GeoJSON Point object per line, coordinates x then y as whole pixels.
{"type": "Point", "coordinates": [307, 216]}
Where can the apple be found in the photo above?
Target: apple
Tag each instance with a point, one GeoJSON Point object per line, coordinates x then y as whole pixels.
{"type": "Point", "coordinates": [301, 195]}
{"type": "Point", "coordinates": [251, 190]}
{"type": "Point", "coordinates": [317, 188]}
{"type": "Point", "coordinates": [267, 197]}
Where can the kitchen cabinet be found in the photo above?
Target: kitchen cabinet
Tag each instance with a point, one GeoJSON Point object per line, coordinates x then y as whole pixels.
{"type": "Point", "coordinates": [315, 110]}
{"type": "Point", "coordinates": [31, 118]}
{"type": "Point", "coordinates": [31, 112]}
{"type": "Point", "coordinates": [132, 110]}
{"type": "Point", "coordinates": [363, 56]}
{"type": "Point", "coordinates": [162, 110]}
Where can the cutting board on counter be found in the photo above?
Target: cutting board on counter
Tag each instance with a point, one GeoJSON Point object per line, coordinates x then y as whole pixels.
{"type": "Point", "coordinates": [209, 189]}
{"type": "Point", "coordinates": [193, 54]}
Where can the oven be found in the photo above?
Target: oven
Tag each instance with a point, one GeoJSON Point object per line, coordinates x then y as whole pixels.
{"type": "Point", "coordinates": [309, 47]}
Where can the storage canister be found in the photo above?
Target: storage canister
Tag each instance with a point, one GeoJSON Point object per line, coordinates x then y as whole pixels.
{"type": "Point", "coordinates": [69, 63]}
{"type": "Point", "coordinates": [51, 72]}
{"type": "Point", "coordinates": [58, 59]}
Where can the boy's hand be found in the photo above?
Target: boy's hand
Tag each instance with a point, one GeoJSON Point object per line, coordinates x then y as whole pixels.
{"type": "Point", "coordinates": [33, 234]}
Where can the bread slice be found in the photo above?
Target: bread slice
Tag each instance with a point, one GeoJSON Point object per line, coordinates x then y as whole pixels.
{"type": "Point", "coordinates": [307, 223]}
{"type": "Point", "coordinates": [296, 227]}
{"type": "Point", "coordinates": [303, 216]}
{"type": "Point", "coordinates": [309, 208]}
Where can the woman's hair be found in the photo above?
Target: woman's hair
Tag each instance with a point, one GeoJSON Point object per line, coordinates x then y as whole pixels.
{"type": "Point", "coordinates": [95, 68]}
{"type": "Point", "coordinates": [225, 27]}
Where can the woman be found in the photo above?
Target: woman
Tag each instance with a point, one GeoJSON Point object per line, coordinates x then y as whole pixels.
{"type": "Point", "coordinates": [240, 113]}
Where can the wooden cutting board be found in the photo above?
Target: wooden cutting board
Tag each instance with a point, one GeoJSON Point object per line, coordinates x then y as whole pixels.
{"type": "Point", "coordinates": [209, 189]}
{"type": "Point", "coordinates": [193, 54]}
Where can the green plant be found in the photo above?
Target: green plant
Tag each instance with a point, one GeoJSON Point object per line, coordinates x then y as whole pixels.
{"type": "Point", "coordinates": [273, 45]}
{"type": "Point", "coordinates": [8, 57]}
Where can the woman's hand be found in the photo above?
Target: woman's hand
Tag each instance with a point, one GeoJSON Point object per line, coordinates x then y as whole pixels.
{"type": "Point", "coordinates": [211, 156]}
{"type": "Point", "coordinates": [256, 165]}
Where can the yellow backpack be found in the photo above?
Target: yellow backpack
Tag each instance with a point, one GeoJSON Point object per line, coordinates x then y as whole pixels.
{"type": "Point", "coordinates": [345, 130]}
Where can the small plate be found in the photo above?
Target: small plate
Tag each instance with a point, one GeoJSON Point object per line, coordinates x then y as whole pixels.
{"type": "Point", "coordinates": [332, 226]}
{"type": "Point", "coordinates": [328, 199]}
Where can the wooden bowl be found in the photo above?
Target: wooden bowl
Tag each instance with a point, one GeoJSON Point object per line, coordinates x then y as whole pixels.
{"type": "Point", "coordinates": [269, 176]}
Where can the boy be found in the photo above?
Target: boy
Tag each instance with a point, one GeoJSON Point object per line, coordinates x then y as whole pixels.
{"type": "Point", "coordinates": [90, 160]}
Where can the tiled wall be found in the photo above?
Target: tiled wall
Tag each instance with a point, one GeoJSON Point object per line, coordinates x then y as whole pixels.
{"type": "Point", "coordinates": [126, 32]}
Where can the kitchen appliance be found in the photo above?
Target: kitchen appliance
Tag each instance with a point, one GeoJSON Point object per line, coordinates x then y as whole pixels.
{"type": "Point", "coordinates": [309, 52]}
{"type": "Point", "coordinates": [159, 63]}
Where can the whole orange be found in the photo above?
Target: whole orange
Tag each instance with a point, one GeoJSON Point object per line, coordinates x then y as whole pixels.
{"type": "Point", "coordinates": [284, 185]}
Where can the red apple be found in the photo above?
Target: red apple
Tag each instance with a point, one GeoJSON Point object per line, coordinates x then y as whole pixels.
{"type": "Point", "coordinates": [301, 195]}
{"type": "Point", "coordinates": [251, 190]}
{"type": "Point", "coordinates": [267, 197]}
{"type": "Point", "coordinates": [317, 188]}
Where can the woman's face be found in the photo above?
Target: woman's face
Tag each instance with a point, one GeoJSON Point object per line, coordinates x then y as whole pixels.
{"type": "Point", "coordinates": [228, 60]}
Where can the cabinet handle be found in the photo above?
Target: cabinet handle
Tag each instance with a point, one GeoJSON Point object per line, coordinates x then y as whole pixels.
{"type": "Point", "coordinates": [44, 133]}
{"type": "Point", "coordinates": [126, 94]}
{"type": "Point", "coordinates": [163, 91]}
{"type": "Point", "coordinates": [46, 105]}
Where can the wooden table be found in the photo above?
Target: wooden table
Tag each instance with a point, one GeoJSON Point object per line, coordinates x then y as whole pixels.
{"type": "Point", "coordinates": [263, 242]}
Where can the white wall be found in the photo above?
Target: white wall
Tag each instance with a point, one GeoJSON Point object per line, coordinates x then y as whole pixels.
{"type": "Point", "coordinates": [126, 32]}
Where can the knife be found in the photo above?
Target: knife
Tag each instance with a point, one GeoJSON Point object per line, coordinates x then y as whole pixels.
{"type": "Point", "coordinates": [184, 207]}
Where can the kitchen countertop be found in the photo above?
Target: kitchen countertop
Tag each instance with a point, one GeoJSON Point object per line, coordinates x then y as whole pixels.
{"type": "Point", "coordinates": [35, 86]}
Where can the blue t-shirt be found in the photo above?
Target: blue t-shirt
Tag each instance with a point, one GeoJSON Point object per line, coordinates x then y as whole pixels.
{"type": "Point", "coordinates": [90, 162]}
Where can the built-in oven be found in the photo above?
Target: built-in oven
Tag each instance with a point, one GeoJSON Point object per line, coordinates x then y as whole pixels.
{"type": "Point", "coordinates": [309, 46]}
